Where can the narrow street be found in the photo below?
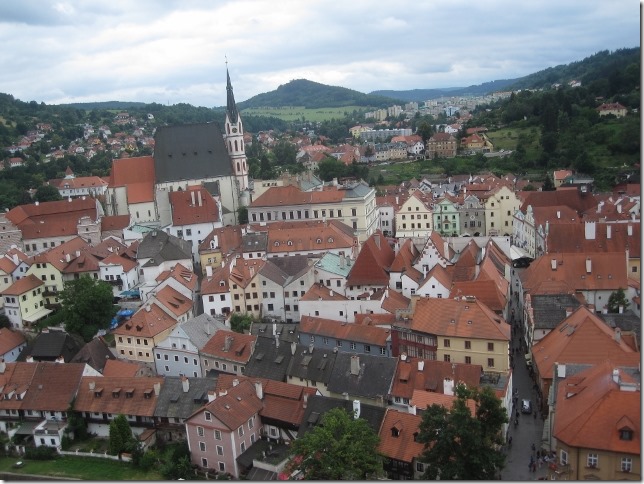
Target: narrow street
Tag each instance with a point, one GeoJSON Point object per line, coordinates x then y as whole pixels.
{"type": "Point", "coordinates": [529, 430]}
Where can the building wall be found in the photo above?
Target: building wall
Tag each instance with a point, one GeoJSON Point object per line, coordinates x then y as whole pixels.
{"type": "Point", "coordinates": [413, 219]}
{"type": "Point", "coordinates": [609, 465]}
{"type": "Point", "coordinates": [479, 352]}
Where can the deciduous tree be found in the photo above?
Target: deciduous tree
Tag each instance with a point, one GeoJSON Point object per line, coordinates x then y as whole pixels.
{"type": "Point", "coordinates": [87, 306]}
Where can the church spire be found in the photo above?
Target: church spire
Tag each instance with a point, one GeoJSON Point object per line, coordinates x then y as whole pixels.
{"type": "Point", "coordinates": [231, 107]}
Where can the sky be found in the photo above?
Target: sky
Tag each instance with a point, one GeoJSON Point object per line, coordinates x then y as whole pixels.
{"type": "Point", "coordinates": [177, 51]}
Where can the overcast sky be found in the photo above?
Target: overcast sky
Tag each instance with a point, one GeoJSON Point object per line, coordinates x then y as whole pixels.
{"type": "Point", "coordinates": [174, 51]}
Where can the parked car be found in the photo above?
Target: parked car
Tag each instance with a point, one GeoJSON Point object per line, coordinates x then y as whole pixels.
{"type": "Point", "coordinates": [526, 406]}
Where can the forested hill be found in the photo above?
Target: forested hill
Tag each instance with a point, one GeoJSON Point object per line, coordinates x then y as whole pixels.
{"type": "Point", "coordinates": [599, 67]}
{"type": "Point", "coordinates": [420, 95]}
{"type": "Point", "coordinates": [309, 94]}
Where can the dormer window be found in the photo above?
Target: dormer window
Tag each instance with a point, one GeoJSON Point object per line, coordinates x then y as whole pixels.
{"type": "Point", "coordinates": [289, 242]}
{"type": "Point", "coordinates": [129, 393]}
{"type": "Point", "coordinates": [116, 393]}
{"type": "Point", "coordinates": [395, 431]}
{"type": "Point", "coordinates": [625, 434]}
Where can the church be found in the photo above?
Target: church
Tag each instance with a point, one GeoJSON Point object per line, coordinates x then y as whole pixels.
{"type": "Point", "coordinates": [200, 154]}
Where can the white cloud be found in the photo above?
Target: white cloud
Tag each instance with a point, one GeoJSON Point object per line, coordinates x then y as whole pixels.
{"type": "Point", "coordinates": [175, 51]}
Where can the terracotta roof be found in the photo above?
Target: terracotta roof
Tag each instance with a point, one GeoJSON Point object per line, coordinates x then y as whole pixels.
{"type": "Point", "coordinates": [174, 301]}
{"type": "Point", "coordinates": [118, 260]}
{"type": "Point", "coordinates": [485, 291]}
{"type": "Point", "coordinates": [570, 197]}
{"type": "Point", "coordinates": [50, 219]}
{"type": "Point", "coordinates": [7, 265]}
{"type": "Point", "coordinates": [15, 381]}
{"type": "Point", "coordinates": [53, 386]}
{"type": "Point", "coordinates": [23, 285]}
{"type": "Point", "coordinates": [57, 256]}
{"type": "Point", "coordinates": [292, 195]}
{"type": "Point", "coordinates": [245, 270]}
{"type": "Point", "coordinates": [236, 407]}
{"type": "Point", "coordinates": [216, 284]}
{"type": "Point", "coordinates": [608, 271]}
{"type": "Point", "coordinates": [581, 338]}
{"type": "Point", "coordinates": [78, 182]}
{"type": "Point", "coordinates": [228, 239]}
{"type": "Point", "coordinates": [319, 292]}
{"type": "Point", "coordinates": [114, 222]}
{"type": "Point", "coordinates": [230, 346]}
{"type": "Point", "coordinates": [397, 436]}
{"type": "Point", "coordinates": [404, 259]}
{"type": "Point", "coordinates": [463, 319]}
{"type": "Point", "coordinates": [591, 411]}
{"type": "Point", "coordinates": [121, 368]}
{"type": "Point", "coordinates": [422, 399]}
{"type": "Point", "coordinates": [85, 262]}
{"type": "Point", "coordinates": [193, 206]}
{"type": "Point", "coordinates": [181, 274]}
{"type": "Point", "coordinates": [118, 395]}
{"type": "Point", "coordinates": [394, 300]}
{"type": "Point", "coordinates": [353, 332]}
{"type": "Point", "coordinates": [307, 236]}
{"type": "Point", "coordinates": [137, 175]}
{"type": "Point", "coordinates": [429, 375]}
{"type": "Point", "coordinates": [441, 274]}
{"type": "Point", "coordinates": [147, 322]}
{"type": "Point", "coordinates": [439, 243]}
{"type": "Point", "coordinates": [10, 339]}
{"type": "Point", "coordinates": [572, 238]}
{"type": "Point", "coordinates": [373, 262]}
{"type": "Point", "coordinates": [561, 174]}
{"type": "Point", "coordinates": [386, 319]}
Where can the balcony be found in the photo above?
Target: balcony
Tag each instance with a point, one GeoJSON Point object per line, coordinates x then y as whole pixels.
{"type": "Point", "coordinates": [115, 282]}
{"type": "Point", "coordinates": [50, 291]}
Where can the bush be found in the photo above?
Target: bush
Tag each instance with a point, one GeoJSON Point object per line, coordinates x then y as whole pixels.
{"type": "Point", "coordinates": [66, 442]}
{"type": "Point", "coordinates": [41, 453]}
{"type": "Point", "coordinates": [148, 460]}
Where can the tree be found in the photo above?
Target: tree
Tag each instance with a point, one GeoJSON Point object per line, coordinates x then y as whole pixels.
{"type": "Point", "coordinates": [462, 445]}
{"type": "Point", "coordinates": [616, 300]}
{"type": "Point", "coordinates": [341, 448]}
{"type": "Point", "coordinates": [242, 215]}
{"type": "Point", "coordinates": [240, 323]}
{"type": "Point", "coordinates": [121, 438]}
{"type": "Point", "coordinates": [47, 193]}
{"type": "Point", "coordinates": [4, 321]}
{"type": "Point", "coordinates": [548, 185]}
{"type": "Point", "coordinates": [87, 306]}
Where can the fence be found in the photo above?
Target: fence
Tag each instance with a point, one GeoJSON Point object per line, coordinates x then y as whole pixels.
{"type": "Point", "coordinates": [102, 455]}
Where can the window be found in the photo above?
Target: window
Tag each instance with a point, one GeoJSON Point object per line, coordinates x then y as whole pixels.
{"type": "Point", "coordinates": [468, 345]}
{"type": "Point", "coordinates": [217, 435]}
{"type": "Point", "coordinates": [200, 431]}
{"type": "Point", "coordinates": [468, 360]}
{"type": "Point", "coordinates": [202, 446]}
{"type": "Point", "coordinates": [626, 434]}
{"type": "Point", "coordinates": [240, 430]}
{"type": "Point", "coordinates": [204, 462]}
{"type": "Point", "coordinates": [563, 458]}
{"type": "Point", "coordinates": [490, 362]}
{"type": "Point", "coordinates": [222, 467]}
{"type": "Point", "coordinates": [220, 450]}
{"type": "Point", "coordinates": [592, 461]}
{"type": "Point", "coordinates": [446, 358]}
{"type": "Point", "coordinates": [383, 351]}
{"type": "Point", "coordinates": [627, 464]}
{"type": "Point", "coordinates": [251, 423]}
{"type": "Point", "coordinates": [208, 416]}
{"type": "Point", "coordinates": [490, 346]}
{"type": "Point", "coordinates": [367, 349]}
{"type": "Point", "coordinates": [446, 343]}
{"type": "Point", "coordinates": [420, 467]}
{"type": "Point", "coordinates": [242, 447]}
{"type": "Point", "coordinates": [353, 345]}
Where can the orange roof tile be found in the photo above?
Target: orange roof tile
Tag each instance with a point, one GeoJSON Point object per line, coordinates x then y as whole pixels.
{"type": "Point", "coordinates": [147, 322]}
{"type": "Point", "coordinates": [319, 292]}
{"type": "Point", "coordinates": [397, 433]}
{"type": "Point", "coordinates": [236, 407]}
{"type": "Point", "coordinates": [121, 368]}
{"type": "Point", "coordinates": [137, 174]}
{"type": "Point", "coordinates": [422, 399]}
{"type": "Point", "coordinates": [193, 206]}
{"type": "Point", "coordinates": [119, 260]}
{"type": "Point", "coordinates": [22, 285]}
{"type": "Point", "coordinates": [292, 195]}
{"type": "Point", "coordinates": [228, 239]}
{"type": "Point", "coordinates": [373, 262]}
{"type": "Point", "coordinates": [230, 346]}
{"type": "Point", "coordinates": [174, 301]}
{"type": "Point", "coordinates": [9, 340]}
{"type": "Point", "coordinates": [608, 238]}
{"type": "Point", "coordinates": [118, 395]}
{"type": "Point", "coordinates": [334, 329]}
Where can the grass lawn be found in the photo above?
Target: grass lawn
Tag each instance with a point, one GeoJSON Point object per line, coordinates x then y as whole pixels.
{"type": "Point", "coordinates": [86, 468]}
{"type": "Point", "coordinates": [296, 113]}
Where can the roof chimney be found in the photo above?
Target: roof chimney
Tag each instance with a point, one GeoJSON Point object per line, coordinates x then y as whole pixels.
{"type": "Point", "coordinates": [553, 264]}
{"type": "Point", "coordinates": [92, 385]}
{"type": "Point", "coordinates": [305, 400]}
{"type": "Point", "coordinates": [421, 365]}
{"type": "Point", "coordinates": [185, 384]}
{"type": "Point", "coordinates": [3, 365]}
{"type": "Point", "coordinates": [211, 395]}
{"type": "Point", "coordinates": [590, 230]}
{"type": "Point", "coordinates": [356, 408]}
{"type": "Point", "coordinates": [589, 265]}
{"type": "Point", "coordinates": [227, 342]}
{"type": "Point", "coordinates": [208, 271]}
{"type": "Point", "coordinates": [568, 311]}
{"type": "Point", "coordinates": [259, 390]}
{"type": "Point", "coordinates": [235, 382]}
{"type": "Point", "coordinates": [199, 202]}
{"type": "Point", "coordinates": [629, 230]}
{"type": "Point", "coordinates": [311, 346]}
{"type": "Point", "coordinates": [157, 388]}
{"type": "Point", "coordinates": [616, 375]}
{"type": "Point", "coordinates": [293, 348]}
{"type": "Point", "coordinates": [617, 335]}
{"type": "Point", "coordinates": [558, 214]}
{"type": "Point", "coordinates": [355, 365]}
{"type": "Point", "coordinates": [192, 198]}
{"type": "Point", "coordinates": [608, 231]}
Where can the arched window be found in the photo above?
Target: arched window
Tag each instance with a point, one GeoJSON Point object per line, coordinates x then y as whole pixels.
{"type": "Point", "coordinates": [277, 244]}
{"type": "Point", "coordinates": [290, 242]}
{"type": "Point", "coordinates": [330, 240]}
{"type": "Point", "coordinates": [318, 241]}
{"type": "Point", "coordinates": [230, 146]}
{"type": "Point", "coordinates": [235, 145]}
{"type": "Point", "coordinates": [238, 167]}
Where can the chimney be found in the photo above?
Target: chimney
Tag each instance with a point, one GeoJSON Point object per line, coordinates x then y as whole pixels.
{"type": "Point", "coordinates": [617, 335]}
{"type": "Point", "coordinates": [397, 199]}
{"type": "Point", "coordinates": [356, 408]}
{"type": "Point", "coordinates": [558, 214]}
{"type": "Point", "coordinates": [251, 269]}
{"type": "Point", "coordinates": [568, 311]}
{"type": "Point", "coordinates": [68, 257]}
{"type": "Point", "coordinates": [157, 388]}
{"type": "Point", "coordinates": [619, 208]}
{"type": "Point", "coordinates": [92, 385]}
{"type": "Point", "coordinates": [589, 265]}
{"type": "Point", "coordinates": [36, 203]}
{"type": "Point", "coordinates": [30, 359]}
{"type": "Point", "coordinates": [311, 346]}
{"type": "Point", "coordinates": [3, 365]}
{"type": "Point", "coordinates": [446, 249]}
{"type": "Point", "coordinates": [396, 247]}
{"type": "Point", "coordinates": [616, 376]}
{"type": "Point", "coordinates": [69, 199]}
{"type": "Point", "coordinates": [192, 198]}
{"type": "Point", "coordinates": [421, 365]}
{"type": "Point", "coordinates": [259, 390]}
{"type": "Point", "coordinates": [185, 384]}
{"type": "Point", "coordinates": [235, 382]}
{"type": "Point", "coordinates": [211, 396]}
{"type": "Point", "coordinates": [305, 400]}
{"type": "Point", "coordinates": [590, 230]}
{"type": "Point", "coordinates": [553, 264]}
{"type": "Point", "coordinates": [608, 231]}
{"type": "Point", "coordinates": [561, 370]}
{"type": "Point", "coordinates": [412, 409]}
{"type": "Point", "coordinates": [293, 348]}
{"type": "Point", "coordinates": [60, 359]}
{"type": "Point", "coordinates": [448, 386]}
{"type": "Point", "coordinates": [342, 261]}
{"type": "Point", "coordinates": [227, 342]}
{"type": "Point", "coordinates": [199, 202]}
{"type": "Point", "coordinates": [148, 308]}
{"type": "Point", "coordinates": [277, 340]}
{"type": "Point", "coordinates": [208, 271]}
{"type": "Point", "coordinates": [629, 230]}
{"type": "Point", "coordinates": [207, 327]}
{"type": "Point", "coordinates": [424, 271]}
{"type": "Point", "coordinates": [355, 365]}
{"type": "Point", "coordinates": [621, 309]}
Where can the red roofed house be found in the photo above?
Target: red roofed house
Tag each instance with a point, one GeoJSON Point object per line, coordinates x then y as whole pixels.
{"type": "Point", "coordinates": [11, 344]}
{"type": "Point", "coordinates": [222, 430]}
{"type": "Point", "coordinates": [597, 424]}
{"type": "Point", "coordinates": [121, 272]}
{"type": "Point", "coordinates": [559, 176]}
{"type": "Point", "coordinates": [441, 145]}
{"type": "Point", "coordinates": [370, 270]}
{"type": "Point", "coordinates": [72, 186]}
{"type": "Point", "coordinates": [398, 444]}
{"type": "Point", "coordinates": [616, 109]}
{"type": "Point", "coordinates": [24, 303]}
{"type": "Point", "coordinates": [227, 352]}
{"type": "Point", "coordinates": [195, 214]}
{"type": "Point", "coordinates": [131, 189]}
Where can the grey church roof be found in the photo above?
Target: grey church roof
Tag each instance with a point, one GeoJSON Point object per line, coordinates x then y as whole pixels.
{"type": "Point", "coordinates": [189, 152]}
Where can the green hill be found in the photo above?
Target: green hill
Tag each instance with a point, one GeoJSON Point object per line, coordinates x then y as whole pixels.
{"type": "Point", "coordinates": [311, 94]}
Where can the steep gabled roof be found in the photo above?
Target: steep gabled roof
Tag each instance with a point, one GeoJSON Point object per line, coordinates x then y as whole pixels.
{"type": "Point", "coordinates": [118, 395]}
{"type": "Point", "coordinates": [397, 436]}
{"type": "Point", "coordinates": [231, 346]}
{"type": "Point", "coordinates": [236, 407]}
{"type": "Point", "coordinates": [372, 264]}
{"type": "Point", "coordinates": [353, 332]}
{"type": "Point", "coordinates": [22, 286]}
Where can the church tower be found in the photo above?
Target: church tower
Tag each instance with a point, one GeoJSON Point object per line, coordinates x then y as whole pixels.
{"type": "Point", "coordinates": [234, 138]}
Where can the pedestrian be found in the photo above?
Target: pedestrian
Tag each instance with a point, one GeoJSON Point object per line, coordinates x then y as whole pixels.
{"type": "Point", "coordinates": [534, 467]}
{"type": "Point", "coordinates": [510, 441]}
{"type": "Point", "coordinates": [533, 447]}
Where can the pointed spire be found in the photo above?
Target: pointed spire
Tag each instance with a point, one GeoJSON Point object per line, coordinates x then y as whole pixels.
{"type": "Point", "coordinates": [231, 107]}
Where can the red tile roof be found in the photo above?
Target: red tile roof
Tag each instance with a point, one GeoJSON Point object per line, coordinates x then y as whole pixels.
{"type": "Point", "coordinates": [231, 346]}
{"type": "Point", "coordinates": [181, 274]}
{"type": "Point", "coordinates": [422, 399]}
{"type": "Point", "coordinates": [116, 259]}
{"type": "Point", "coordinates": [121, 368]}
{"type": "Point", "coordinates": [572, 238]}
{"type": "Point", "coordinates": [50, 219]}
{"type": "Point", "coordinates": [10, 339]}
{"type": "Point", "coordinates": [307, 236]}
{"type": "Point", "coordinates": [319, 292]}
{"type": "Point", "coordinates": [53, 386]}
{"type": "Point", "coordinates": [23, 285]}
{"type": "Point", "coordinates": [591, 411]}
{"type": "Point", "coordinates": [397, 436]}
{"type": "Point", "coordinates": [236, 407]}
{"type": "Point", "coordinates": [292, 195]}
{"type": "Point", "coordinates": [193, 206]}
{"type": "Point", "coordinates": [118, 395]}
{"type": "Point", "coordinates": [463, 319]}
{"type": "Point", "coordinates": [373, 262]}
{"type": "Point", "coordinates": [484, 290]}
{"type": "Point", "coordinates": [147, 322]}
{"type": "Point", "coordinates": [174, 301]}
{"type": "Point", "coordinates": [229, 238]}
{"type": "Point", "coordinates": [137, 174]}
{"type": "Point", "coordinates": [355, 332]}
